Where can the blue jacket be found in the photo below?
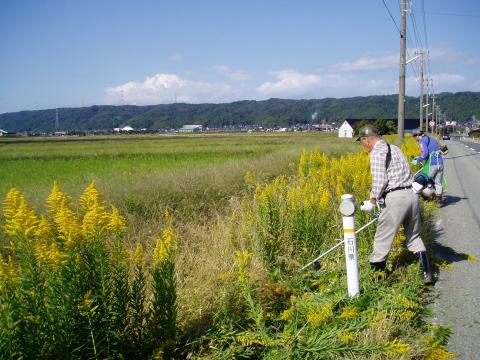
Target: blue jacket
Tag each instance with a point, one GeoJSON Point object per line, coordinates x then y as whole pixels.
{"type": "Point", "coordinates": [429, 145]}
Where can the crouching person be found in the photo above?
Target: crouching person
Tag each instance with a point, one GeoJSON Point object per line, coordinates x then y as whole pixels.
{"type": "Point", "coordinates": [432, 156]}
{"type": "Point", "coordinates": [392, 190]}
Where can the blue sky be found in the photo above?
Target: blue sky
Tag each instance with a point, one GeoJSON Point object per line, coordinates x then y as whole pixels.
{"type": "Point", "coordinates": [82, 53]}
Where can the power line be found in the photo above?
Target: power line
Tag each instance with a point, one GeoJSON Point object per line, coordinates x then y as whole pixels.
{"type": "Point", "coordinates": [391, 16]}
{"type": "Point", "coordinates": [418, 39]}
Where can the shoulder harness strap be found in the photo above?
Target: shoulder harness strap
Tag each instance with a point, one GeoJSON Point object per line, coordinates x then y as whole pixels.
{"type": "Point", "coordinates": [388, 159]}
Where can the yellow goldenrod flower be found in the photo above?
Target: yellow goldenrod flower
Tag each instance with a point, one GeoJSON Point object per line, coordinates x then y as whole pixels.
{"type": "Point", "coordinates": [164, 247]}
{"type": "Point", "coordinates": [168, 218]}
{"type": "Point", "coordinates": [49, 254]}
{"type": "Point", "coordinates": [399, 239]}
{"type": "Point", "coordinates": [95, 220]}
{"type": "Point", "coordinates": [286, 314]}
{"type": "Point", "coordinates": [89, 197]}
{"type": "Point", "coordinates": [247, 341]}
{"type": "Point", "coordinates": [317, 315]}
{"type": "Point", "coordinates": [407, 303]}
{"type": "Point", "coordinates": [397, 348]}
{"type": "Point", "coordinates": [22, 220]}
{"type": "Point", "coordinates": [66, 223]}
{"type": "Point", "coordinates": [86, 307]}
{"type": "Point", "coordinates": [138, 255]}
{"type": "Point", "coordinates": [56, 199]}
{"type": "Point", "coordinates": [440, 352]}
{"type": "Point", "coordinates": [44, 230]}
{"type": "Point", "coordinates": [346, 337]}
{"type": "Point", "coordinates": [116, 222]}
{"type": "Point", "coordinates": [248, 179]}
{"type": "Point", "coordinates": [407, 315]}
{"type": "Point", "coordinates": [349, 312]}
{"type": "Point", "coordinates": [11, 203]}
{"type": "Point", "coordinates": [242, 259]}
{"type": "Point", "coordinates": [8, 271]}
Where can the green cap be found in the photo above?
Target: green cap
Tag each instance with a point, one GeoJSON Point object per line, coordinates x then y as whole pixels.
{"type": "Point", "coordinates": [367, 131]}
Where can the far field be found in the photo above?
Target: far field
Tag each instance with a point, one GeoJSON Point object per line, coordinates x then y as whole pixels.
{"type": "Point", "coordinates": [142, 173]}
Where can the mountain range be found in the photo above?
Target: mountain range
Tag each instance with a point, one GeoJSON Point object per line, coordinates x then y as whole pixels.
{"type": "Point", "coordinates": [460, 106]}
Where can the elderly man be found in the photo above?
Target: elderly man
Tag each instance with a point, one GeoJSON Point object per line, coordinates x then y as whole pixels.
{"type": "Point", "coordinates": [392, 190]}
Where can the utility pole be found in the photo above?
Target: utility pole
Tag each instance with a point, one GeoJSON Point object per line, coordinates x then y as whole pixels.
{"type": "Point", "coordinates": [401, 90]}
{"type": "Point", "coordinates": [427, 105]}
{"type": "Point", "coordinates": [434, 119]}
{"type": "Point", "coordinates": [56, 119]}
{"type": "Point", "coordinates": [421, 88]}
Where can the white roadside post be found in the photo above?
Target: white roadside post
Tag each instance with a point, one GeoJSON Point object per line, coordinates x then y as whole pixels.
{"type": "Point", "coordinates": [347, 208]}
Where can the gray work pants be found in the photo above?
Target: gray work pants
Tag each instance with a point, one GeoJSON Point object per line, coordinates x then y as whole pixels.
{"type": "Point", "coordinates": [436, 174]}
{"type": "Point", "coordinates": [401, 207]}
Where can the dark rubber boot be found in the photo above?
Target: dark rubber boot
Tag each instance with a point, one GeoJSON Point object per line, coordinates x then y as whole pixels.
{"type": "Point", "coordinates": [427, 273]}
{"type": "Point", "coordinates": [378, 266]}
{"type": "Point", "coordinates": [379, 270]}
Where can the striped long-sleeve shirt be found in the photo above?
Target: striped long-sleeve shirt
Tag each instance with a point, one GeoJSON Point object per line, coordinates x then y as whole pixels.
{"type": "Point", "coordinates": [397, 175]}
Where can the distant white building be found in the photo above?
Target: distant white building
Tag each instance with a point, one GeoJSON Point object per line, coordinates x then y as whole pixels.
{"type": "Point", "coordinates": [345, 130]}
{"type": "Point", "coordinates": [3, 132]}
{"type": "Point", "coordinates": [323, 127]}
{"type": "Point", "coordinates": [126, 129]}
{"type": "Point", "coordinates": [191, 128]}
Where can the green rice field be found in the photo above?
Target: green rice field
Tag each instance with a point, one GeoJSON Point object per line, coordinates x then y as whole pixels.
{"type": "Point", "coordinates": [131, 170]}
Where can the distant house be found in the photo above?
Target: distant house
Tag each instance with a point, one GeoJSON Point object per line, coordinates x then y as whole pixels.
{"type": "Point", "coordinates": [345, 130]}
{"type": "Point", "coordinates": [191, 128]}
{"type": "Point", "coordinates": [3, 132]}
{"type": "Point", "coordinates": [126, 129]}
{"type": "Point", "coordinates": [348, 124]}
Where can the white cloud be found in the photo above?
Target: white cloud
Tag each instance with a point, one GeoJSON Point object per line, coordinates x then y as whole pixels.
{"type": "Point", "coordinates": [231, 73]}
{"type": "Point", "coordinates": [368, 63]}
{"type": "Point", "coordinates": [360, 77]}
{"type": "Point", "coordinates": [447, 79]}
{"type": "Point", "coordinates": [290, 82]}
{"type": "Point", "coordinates": [166, 88]}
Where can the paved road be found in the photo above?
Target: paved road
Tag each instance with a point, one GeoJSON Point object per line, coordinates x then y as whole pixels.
{"type": "Point", "coordinates": [458, 236]}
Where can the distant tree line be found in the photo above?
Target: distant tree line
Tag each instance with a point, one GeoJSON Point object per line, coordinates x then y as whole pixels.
{"type": "Point", "coordinates": [273, 112]}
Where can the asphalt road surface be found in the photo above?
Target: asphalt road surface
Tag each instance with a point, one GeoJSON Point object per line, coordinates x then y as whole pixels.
{"type": "Point", "coordinates": [457, 238]}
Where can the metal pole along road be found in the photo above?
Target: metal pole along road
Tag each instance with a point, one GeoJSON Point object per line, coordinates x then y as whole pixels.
{"type": "Point", "coordinates": [401, 90]}
{"type": "Point", "coordinates": [347, 208]}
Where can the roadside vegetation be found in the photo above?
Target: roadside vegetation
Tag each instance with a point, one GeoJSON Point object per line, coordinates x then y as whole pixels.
{"type": "Point", "coordinates": [202, 257]}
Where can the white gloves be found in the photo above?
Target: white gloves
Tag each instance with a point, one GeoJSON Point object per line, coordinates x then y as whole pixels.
{"type": "Point", "coordinates": [367, 206]}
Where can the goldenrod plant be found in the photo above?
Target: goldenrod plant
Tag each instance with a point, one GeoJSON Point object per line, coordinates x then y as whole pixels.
{"type": "Point", "coordinates": [71, 288]}
{"type": "Point", "coordinates": [308, 315]}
